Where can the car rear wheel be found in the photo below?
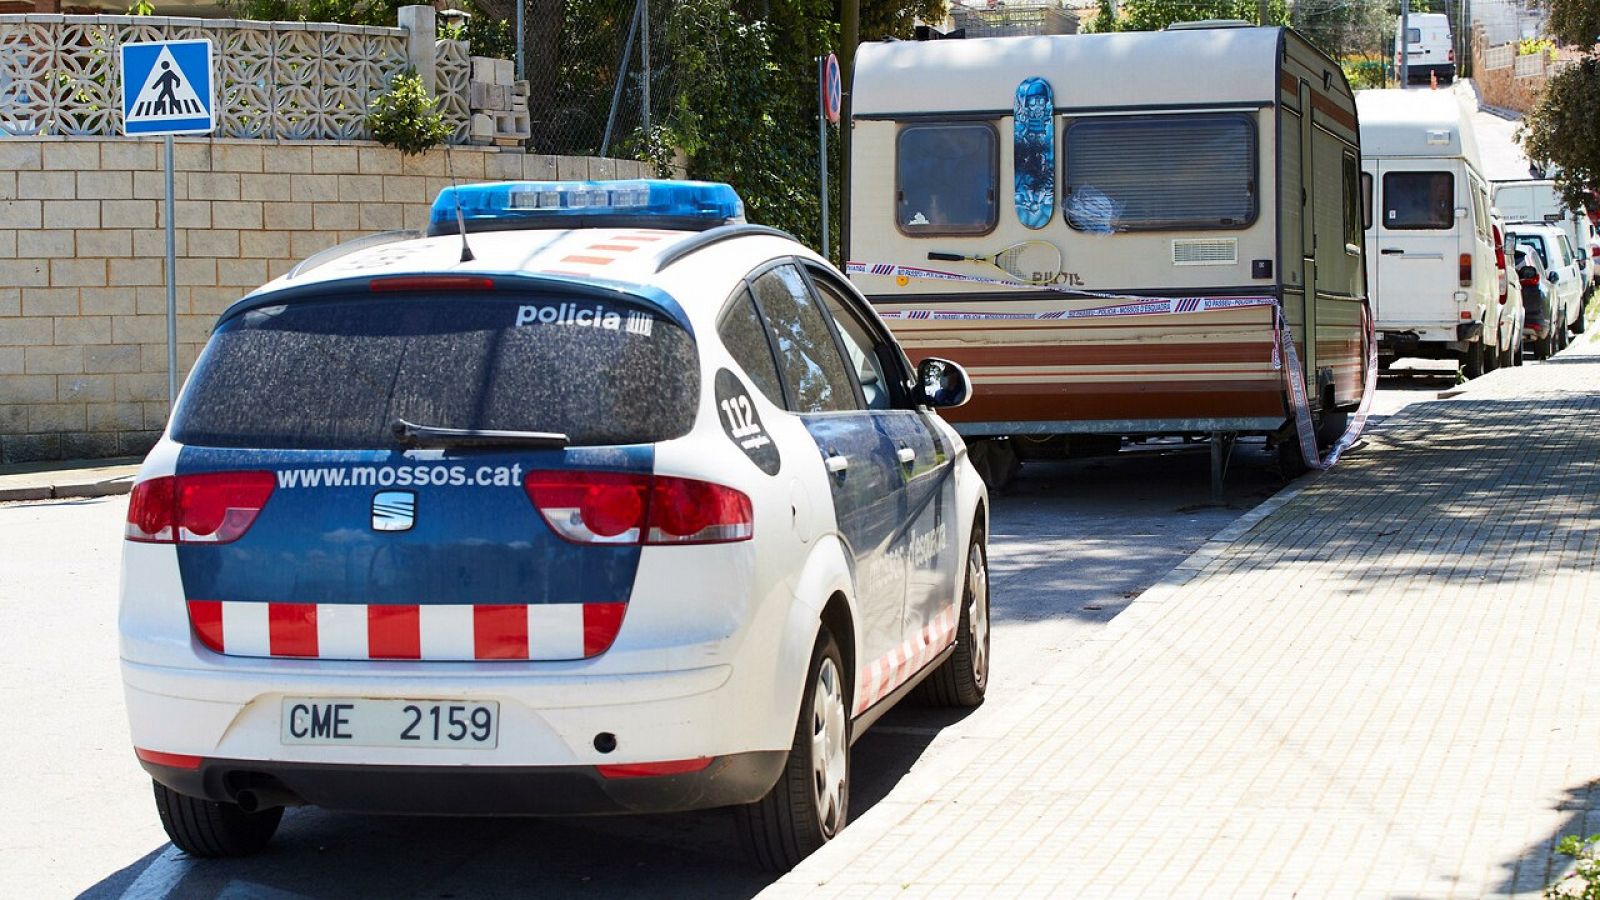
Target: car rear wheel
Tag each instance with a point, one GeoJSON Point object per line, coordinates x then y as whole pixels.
{"type": "Point", "coordinates": [811, 801]}
{"type": "Point", "coordinates": [961, 680]}
{"type": "Point", "coordinates": [204, 828]}
{"type": "Point", "coordinates": [1579, 326]}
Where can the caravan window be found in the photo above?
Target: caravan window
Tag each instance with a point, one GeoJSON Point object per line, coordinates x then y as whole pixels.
{"type": "Point", "coordinates": [1366, 200]}
{"type": "Point", "coordinates": [947, 179]}
{"type": "Point", "coordinates": [1354, 217]}
{"type": "Point", "coordinates": [1419, 200]}
{"type": "Point", "coordinates": [1192, 172]}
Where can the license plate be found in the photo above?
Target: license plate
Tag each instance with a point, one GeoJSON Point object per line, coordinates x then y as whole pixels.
{"type": "Point", "coordinates": [336, 721]}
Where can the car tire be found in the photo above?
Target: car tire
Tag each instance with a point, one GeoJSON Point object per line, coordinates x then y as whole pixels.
{"type": "Point", "coordinates": [1579, 326]}
{"type": "Point", "coordinates": [811, 801]}
{"type": "Point", "coordinates": [996, 461]}
{"type": "Point", "coordinates": [1472, 366]}
{"type": "Point", "coordinates": [1517, 351]}
{"type": "Point", "coordinates": [961, 680]}
{"type": "Point", "coordinates": [1491, 357]}
{"type": "Point", "coordinates": [214, 830]}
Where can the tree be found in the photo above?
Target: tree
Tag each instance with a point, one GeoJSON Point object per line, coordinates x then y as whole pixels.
{"type": "Point", "coordinates": [1345, 28]}
{"type": "Point", "coordinates": [1562, 131]}
{"type": "Point", "coordinates": [1154, 15]}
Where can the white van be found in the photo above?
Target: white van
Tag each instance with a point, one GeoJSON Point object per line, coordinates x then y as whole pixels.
{"type": "Point", "coordinates": [1428, 48]}
{"type": "Point", "coordinates": [1540, 201]}
{"type": "Point", "coordinates": [1432, 277]}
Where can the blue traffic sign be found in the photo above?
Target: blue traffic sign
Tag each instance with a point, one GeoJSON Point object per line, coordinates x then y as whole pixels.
{"type": "Point", "coordinates": [168, 88]}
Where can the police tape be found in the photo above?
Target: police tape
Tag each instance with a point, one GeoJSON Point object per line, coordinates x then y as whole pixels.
{"type": "Point", "coordinates": [1136, 305]}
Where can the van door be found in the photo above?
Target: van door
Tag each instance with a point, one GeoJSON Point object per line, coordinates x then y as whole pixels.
{"type": "Point", "coordinates": [1417, 242]}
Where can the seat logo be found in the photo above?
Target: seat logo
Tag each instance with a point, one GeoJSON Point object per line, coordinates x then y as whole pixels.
{"type": "Point", "coordinates": [394, 510]}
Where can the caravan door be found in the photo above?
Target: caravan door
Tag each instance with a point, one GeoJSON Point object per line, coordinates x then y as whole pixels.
{"type": "Point", "coordinates": [1414, 256]}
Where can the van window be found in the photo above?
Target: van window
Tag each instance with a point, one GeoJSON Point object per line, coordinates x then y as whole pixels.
{"type": "Point", "coordinates": [336, 372]}
{"type": "Point", "coordinates": [1419, 200]}
{"type": "Point", "coordinates": [947, 179]}
{"type": "Point", "coordinates": [1413, 35]}
{"type": "Point", "coordinates": [1161, 172]}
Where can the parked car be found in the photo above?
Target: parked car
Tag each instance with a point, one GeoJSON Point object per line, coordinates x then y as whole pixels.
{"type": "Point", "coordinates": [1536, 327]}
{"type": "Point", "coordinates": [1561, 273]}
{"type": "Point", "coordinates": [1540, 201]}
{"type": "Point", "coordinates": [615, 504]}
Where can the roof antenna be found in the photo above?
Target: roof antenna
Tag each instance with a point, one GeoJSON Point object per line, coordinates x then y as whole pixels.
{"type": "Point", "coordinates": [455, 194]}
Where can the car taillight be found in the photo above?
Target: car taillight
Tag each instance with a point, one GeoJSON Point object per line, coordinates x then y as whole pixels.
{"type": "Point", "coordinates": [1452, 56]}
{"type": "Point", "coordinates": [627, 508]}
{"type": "Point", "coordinates": [1466, 270]}
{"type": "Point", "coordinates": [207, 508]}
{"type": "Point", "coordinates": [1531, 281]}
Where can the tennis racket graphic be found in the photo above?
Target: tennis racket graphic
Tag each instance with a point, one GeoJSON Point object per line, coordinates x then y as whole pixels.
{"type": "Point", "coordinates": [1034, 262]}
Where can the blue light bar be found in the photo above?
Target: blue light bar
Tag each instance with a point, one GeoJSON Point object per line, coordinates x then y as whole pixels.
{"type": "Point", "coordinates": [658, 203]}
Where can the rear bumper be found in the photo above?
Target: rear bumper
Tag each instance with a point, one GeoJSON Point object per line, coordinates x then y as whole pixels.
{"type": "Point", "coordinates": [476, 790]}
{"type": "Point", "coordinates": [1421, 71]}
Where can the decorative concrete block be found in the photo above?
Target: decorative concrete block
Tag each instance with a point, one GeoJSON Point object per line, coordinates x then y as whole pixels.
{"type": "Point", "coordinates": [47, 243]}
{"type": "Point", "coordinates": [49, 301]}
{"type": "Point", "coordinates": [72, 214]}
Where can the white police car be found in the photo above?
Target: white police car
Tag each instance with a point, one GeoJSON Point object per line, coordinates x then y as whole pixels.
{"type": "Point", "coordinates": [614, 504]}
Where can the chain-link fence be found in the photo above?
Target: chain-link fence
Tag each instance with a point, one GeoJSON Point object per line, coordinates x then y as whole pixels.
{"type": "Point", "coordinates": [600, 74]}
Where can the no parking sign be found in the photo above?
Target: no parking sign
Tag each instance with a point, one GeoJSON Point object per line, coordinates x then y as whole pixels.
{"type": "Point", "coordinates": [832, 89]}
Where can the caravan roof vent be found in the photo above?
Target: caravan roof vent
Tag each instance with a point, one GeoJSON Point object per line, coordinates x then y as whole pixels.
{"type": "Point", "coordinates": [1210, 23]}
{"type": "Point", "coordinates": [1196, 252]}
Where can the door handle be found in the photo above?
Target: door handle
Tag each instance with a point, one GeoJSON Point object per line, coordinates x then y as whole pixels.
{"type": "Point", "coordinates": [1392, 251]}
{"type": "Point", "coordinates": [907, 455]}
{"type": "Point", "coordinates": [836, 463]}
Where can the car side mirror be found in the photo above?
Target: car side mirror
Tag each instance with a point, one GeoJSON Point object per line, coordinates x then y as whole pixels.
{"type": "Point", "coordinates": [942, 384]}
{"type": "Point", "coordinates": [1554, 276]}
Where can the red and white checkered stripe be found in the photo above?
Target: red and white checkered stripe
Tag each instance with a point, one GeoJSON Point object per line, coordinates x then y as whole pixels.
{"type": "Point", "coordinates": [540, 631]}
{"type": "Point", "coordinates": [883, 675]}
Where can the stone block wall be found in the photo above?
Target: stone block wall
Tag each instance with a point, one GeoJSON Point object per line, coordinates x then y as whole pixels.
{"type": "Point", "coordinates": [83, 354]}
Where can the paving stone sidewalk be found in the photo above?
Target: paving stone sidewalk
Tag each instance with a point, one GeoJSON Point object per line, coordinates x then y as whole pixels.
{"type": "Point", "coordinates": [1385, 685]}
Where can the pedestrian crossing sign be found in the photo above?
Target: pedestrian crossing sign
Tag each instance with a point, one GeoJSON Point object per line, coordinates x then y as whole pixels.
{"type": "Point", "coordinates": [167, 88]}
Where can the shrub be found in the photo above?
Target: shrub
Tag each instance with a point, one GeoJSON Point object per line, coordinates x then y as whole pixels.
{"type": "Point", "coordinates": [1534, 46]}
{"type": "Point", "coordinates": [1583, 882]}
{"type": "Point", "coordinates": [406, 118]}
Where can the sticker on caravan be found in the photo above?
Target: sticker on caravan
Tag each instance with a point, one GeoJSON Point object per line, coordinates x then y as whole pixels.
{"type": "Point", "coordinates": [1033, 153]}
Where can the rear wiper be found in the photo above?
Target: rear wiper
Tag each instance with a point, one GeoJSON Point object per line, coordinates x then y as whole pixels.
{"type": "Point", "coordinates": [412, 435]}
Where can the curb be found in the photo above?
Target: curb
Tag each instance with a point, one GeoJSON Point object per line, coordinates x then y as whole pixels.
{"type": "Point", "coordinates": [108, 488]}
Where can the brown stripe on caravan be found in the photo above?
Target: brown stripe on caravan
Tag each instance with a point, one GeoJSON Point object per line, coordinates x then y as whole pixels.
{"type": "Point", "coordinates": [1100, 355]}
{"type": "Point", "coordinates": [589, 260]}
{"type": "Point", "coordinates": [1091, 402]}
{"type": "Point", "coordinates": [623, 248]}
{"type": "Point", "coordinates": [1334, 111]}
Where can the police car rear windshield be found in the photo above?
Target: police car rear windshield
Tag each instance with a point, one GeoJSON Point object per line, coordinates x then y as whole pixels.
{"type": "Point", "coordinates": [338, 373]}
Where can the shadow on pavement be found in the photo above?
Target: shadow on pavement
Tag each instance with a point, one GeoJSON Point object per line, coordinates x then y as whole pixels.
{"type": "Point", "coordinates": [1539, 864]}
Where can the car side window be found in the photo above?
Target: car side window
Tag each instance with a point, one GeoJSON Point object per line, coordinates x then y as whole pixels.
{"type": "Point", "coordinates": [808, 357]}
{"type": "Point", "coordinates": [860, 348]}
{"type": "Point", "coordinates": [741, 332]}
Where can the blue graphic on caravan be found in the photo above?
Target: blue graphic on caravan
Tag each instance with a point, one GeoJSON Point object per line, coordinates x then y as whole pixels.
{"type": "Point", "coordinates": [1033, 153]}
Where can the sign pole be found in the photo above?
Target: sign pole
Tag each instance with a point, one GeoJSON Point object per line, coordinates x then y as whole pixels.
{"type": "Point", "coordinates": [172, 291]}
{"type": "Point", "coordinates": [822, 145]}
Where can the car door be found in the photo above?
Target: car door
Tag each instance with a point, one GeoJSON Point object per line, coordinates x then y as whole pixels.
{"type": "Point", "coordinates": [927, 532]}
{"type": "Point", "coordinates": [863, 476]}
{"type": "Point", "coordinates": [1417, 242]}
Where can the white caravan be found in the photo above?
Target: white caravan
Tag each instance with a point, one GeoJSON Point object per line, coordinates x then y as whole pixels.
{"type": "Point", "coordinates": [1431, 274]}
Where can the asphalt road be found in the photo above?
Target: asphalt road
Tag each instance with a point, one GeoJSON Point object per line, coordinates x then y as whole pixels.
{"type": "Point", "coordinates": [1073, 543]}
